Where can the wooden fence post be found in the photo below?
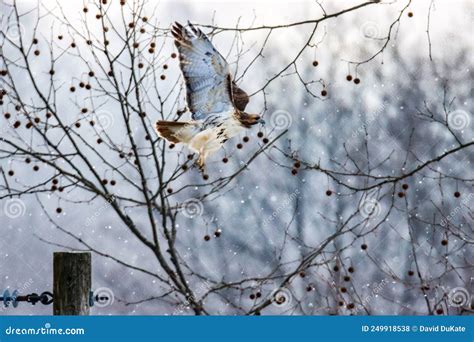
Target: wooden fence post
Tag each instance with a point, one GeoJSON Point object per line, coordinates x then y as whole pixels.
{"type": "Point", "coordinates": [71, 283]}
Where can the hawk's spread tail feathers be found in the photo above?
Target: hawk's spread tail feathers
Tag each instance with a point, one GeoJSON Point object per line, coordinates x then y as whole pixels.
{"type": "Point", "coordinates": [176, 132]}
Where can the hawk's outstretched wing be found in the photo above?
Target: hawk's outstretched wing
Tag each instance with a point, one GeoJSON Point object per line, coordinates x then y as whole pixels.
{"type": "Point", "coordinates": [208, 80]}
{"type": "Point", "coordinates": [239, 97]}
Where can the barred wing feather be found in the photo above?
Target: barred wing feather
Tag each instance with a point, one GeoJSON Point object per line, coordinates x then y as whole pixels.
{"type": "Point", "coordinates": [208, 80]}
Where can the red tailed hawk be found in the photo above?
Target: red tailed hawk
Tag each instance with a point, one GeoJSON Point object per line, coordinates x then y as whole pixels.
{"type": "Point", "coordinates": [216, 103]}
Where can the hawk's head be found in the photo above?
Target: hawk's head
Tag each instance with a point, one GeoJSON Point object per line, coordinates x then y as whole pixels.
{"type": "Point", "coordinates": [248, 120]}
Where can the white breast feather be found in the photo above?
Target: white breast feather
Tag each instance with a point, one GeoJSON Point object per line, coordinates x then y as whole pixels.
{"type": "Point", "coordinates": [208, 141]}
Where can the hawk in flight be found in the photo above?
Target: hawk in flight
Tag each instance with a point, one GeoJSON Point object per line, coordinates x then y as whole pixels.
{"type": "Point", "coordinates": [216, 102]}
